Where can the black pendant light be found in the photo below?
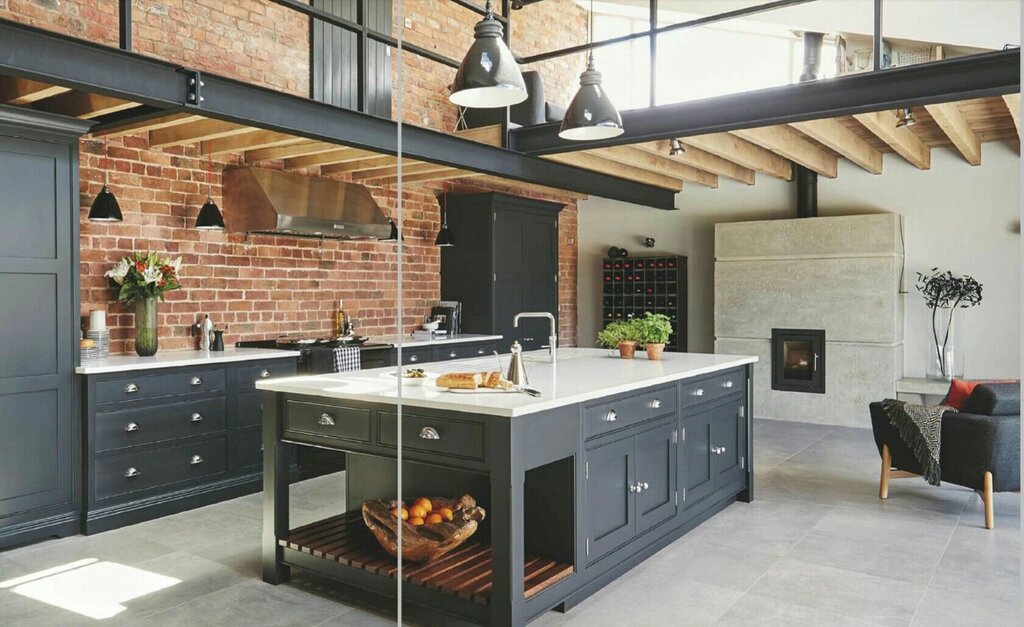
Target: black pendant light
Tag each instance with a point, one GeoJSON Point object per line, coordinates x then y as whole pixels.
{"type": "Point", "coordinates": [591, 114]}
{"type": "Point", "coordinates": [905, 117]}
{"type": "Point", "coordinates": [209, 218]}
{"type": "Point", "coordinates": [676, 148]}
{"type": "Point", "coordinates": [393, 236]}
{"type": "Point", "coordinates": [489, 76]}
{"type": "Point", "coordinates": [105, 207]}
{"type": "Point", "coordinates": [444, 235]}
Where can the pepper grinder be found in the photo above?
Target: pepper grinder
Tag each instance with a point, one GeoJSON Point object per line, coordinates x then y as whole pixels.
{"type": "Point", "coordinates": [516, 367]}
{"type": "Point", "coordinates": [218, 340]}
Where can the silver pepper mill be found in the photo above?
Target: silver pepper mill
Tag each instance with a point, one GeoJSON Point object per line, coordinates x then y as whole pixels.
{"type": "Point", "coordinates": [516, 367]}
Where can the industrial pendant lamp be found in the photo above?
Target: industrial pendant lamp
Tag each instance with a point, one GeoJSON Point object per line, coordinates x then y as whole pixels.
{"type": "Point", "coordinates": [444, 236]}
{"type": "Point", "coordinates": [209, 218]}
{"type": "Point", "coordinates": [676, 148]}
{"type": "Point", "coordinates": [905, 117]}
{"type": "Point", "coordinates": [591, 114]}
{"type": "Point", "coordinates": [393, 236]}
{"type": "Point", "coordinates": [489, 76]}
{"type": "Point", "coordinates": [105, 207]}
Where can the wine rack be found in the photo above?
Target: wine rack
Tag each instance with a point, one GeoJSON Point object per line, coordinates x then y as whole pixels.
{"type": "Point", "coordinates": [632, 286]}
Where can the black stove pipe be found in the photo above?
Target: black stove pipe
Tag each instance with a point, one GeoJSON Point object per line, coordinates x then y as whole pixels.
{"type": "Point", "coordinates": [807, 179]}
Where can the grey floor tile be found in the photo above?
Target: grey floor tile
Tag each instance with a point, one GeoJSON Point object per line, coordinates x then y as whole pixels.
{"type": "Point", "coordinates": [843, 592]}
{"type": "Point", "coordinates": [943, 607]}
{"type": "Point", "coordinates": [754, 610]}
{"type": "Point", "coordinates": [982, 561]}
{"type": "Point", "coordinates": [765, 526]}
{"type": "Point", "coordinates": [709, 563]}
{"type": "Point", "coordinates": [251, 603]}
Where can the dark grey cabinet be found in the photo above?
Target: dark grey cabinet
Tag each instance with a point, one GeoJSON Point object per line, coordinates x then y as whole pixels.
{"type": "Point", "coordinates": [505, 261]}
{"type": "Point", "coordinates": [656, 452]}
{"type": "Point", "coordinates": [729, 441]}
{"type": "Point", "coordinates": [39, 495]}
{"type": "Point", "coordinates": [696, 475]}
{"type": "Point", "coordinates": [712, 440]}
{"type": "Point", "coordinates": [440, 352]}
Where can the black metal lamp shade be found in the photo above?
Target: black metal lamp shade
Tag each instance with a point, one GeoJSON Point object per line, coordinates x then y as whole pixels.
{"type": "Point", "coordinates": [105, 207]}
{"type": "Point", "coordinates": [210, 218]}
{"type": "Point", "coordinates": [591, 114]}
{"type": "Point", "coordinates": [489, 76]}
{"type": "Point", "coordinates": [905, 117]}
{"type": "Point", "coordinates": [676, 148]}
{"type": "Point", "coordinates": [393, 236]}
{"type": "Point", "coordinates": [444, 237]}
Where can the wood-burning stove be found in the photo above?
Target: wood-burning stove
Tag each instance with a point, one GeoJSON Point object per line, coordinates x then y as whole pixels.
{"type": "Point", "coordinates": [798, 360]}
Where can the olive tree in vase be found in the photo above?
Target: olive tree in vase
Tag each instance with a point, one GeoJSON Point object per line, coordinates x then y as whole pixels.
{"type": "Point", "coordinates": [944, 294]}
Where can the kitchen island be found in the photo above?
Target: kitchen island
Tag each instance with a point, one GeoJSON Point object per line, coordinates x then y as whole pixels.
{"type": "Point", "coordinates": [615, 460]}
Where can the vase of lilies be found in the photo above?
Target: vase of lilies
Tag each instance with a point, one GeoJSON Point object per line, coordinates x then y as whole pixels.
{"type": "Point", "coordinates": [142, 280]}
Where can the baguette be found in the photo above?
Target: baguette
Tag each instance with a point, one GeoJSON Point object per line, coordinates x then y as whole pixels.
{"type": "Point", "coordinates": [460, 380]}
{"type": "Point", "coordinates": [490, 379]}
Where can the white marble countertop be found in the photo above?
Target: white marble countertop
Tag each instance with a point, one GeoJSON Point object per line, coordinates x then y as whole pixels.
{"type": "Point", "coordinates": [409, 342]}
{"type": "Point", "coordinates": [172, 359]}
{"type": "Point", "coordinates": [583, 374]}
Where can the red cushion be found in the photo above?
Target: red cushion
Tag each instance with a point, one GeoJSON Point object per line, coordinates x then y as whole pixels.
{"type": "Point", "coordinates": [959, 392]}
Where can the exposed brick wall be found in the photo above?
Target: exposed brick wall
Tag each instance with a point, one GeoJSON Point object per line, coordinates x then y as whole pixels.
{"type": "Point", "coordinates": [264, 286]}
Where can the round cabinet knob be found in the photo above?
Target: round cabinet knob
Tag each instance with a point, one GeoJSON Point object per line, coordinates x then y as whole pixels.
{"type": "Point", "coordinates": [643, 486]}
{"type": "Point", "coordinates": [634, 488]}
{"type": "Point", "coordinates": [132, 472]}
{"type": "Point", "coordinates": [480, 351]}
{"type": "Point", "coordinates": [131, 426]}
{"type": "Point", "coordinates": [452, 354]}
{"type": "Point", "coordinates": [196, 381]}
{"type": "Point", "coordinates": [611, 416]}
{"type": "Point", "coordinates": [414, 358]}
{"type": "Point", "coordinates": [698, 392]}
{"type": "Point", "coordinates": [131, 388]}
{"type": "Point", "coordinates": [326, 420]}
{"type": "Point", "coordinates": [727, 385]}
{"type": "Point", "coordinates": [429, 433]}
{"type": "Point", "coordinates": [197, 417]}
{"type": "Point", "coordinates": [656, 403]}
{"type": "Point", "coordinates": [196, 460]}
{"type": "Point", "coordinates": [721, 449]}
{"type": "Point", "coordinates": [264, 373]}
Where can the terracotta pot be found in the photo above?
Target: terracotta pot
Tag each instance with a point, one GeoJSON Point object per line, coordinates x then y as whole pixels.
{"type": "Point", "coordinates": [654, 351]}
{"type": "Point", "coordinates": [627, 350]}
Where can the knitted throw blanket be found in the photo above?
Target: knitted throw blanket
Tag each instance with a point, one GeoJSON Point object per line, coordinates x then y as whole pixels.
{"type": "Point", "coordinates": [920, 428]}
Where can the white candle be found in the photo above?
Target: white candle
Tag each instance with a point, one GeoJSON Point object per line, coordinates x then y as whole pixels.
{"type": "Point", "coordinates": [97, 320]}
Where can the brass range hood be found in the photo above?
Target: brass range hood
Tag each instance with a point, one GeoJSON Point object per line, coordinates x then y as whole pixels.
{"type": "Point", "coordinates": [269, 201]}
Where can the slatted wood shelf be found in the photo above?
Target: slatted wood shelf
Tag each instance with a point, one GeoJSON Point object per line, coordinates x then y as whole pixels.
{"type": "Point", "coordinates": [465, 572]}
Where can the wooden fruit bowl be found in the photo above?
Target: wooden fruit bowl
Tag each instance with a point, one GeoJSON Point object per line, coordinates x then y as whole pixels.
{"type": "Point", "coordinates": [424, 542]}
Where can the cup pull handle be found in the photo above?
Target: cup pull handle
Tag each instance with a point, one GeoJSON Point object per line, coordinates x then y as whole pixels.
{"type": "Point", "coordinates": [429, 433]}
{"type": "Point", "coordinates": [611, 416]}
{"type": "Point", "coordinates": [264, 373]}
{"type": "Point", "coordinates": [196, 460]}
{"type": "Point", "coordinates": [197, 417]}
{"type": "Point", "coordinates": [131, 426]}
{"type": "Point", "coordinates": [656, 403]}
{"type": "Point", "coordinates": [326, 420]}
{"type": "Point", "coordinates": [452, 354]}
{"type": "Point", "coordinates": [131, 388]}
{"type": "Point", "coordinates": [698, 392]}
{"type": "Point", "coordinates": [727, 384]}
{"type": "Point", "coordinates": [132, 472]}
{"type": "Point", "coordinates": [196, 381]}
{"type": "Point", "coordinates": [414, 358]}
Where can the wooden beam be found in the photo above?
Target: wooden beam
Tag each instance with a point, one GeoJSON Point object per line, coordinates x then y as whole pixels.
{"type": "Point", "coordinates": [902, 140]}
{"type": "Point", "coordinates": [423, 177]}
{"type": "Point", "coordinates": [390, 170]}
{"type": "Point", "coordinates": [702, 160]}
{"type": "Point", "coordinates": [661, 164]}
{"type": "Point", "coordinates": [358, 166]}
{"type": "Point", "coordinates": [790, 144]}
{"type": "Point", "coordinates": [528, 187]}
{"type": "Point", "coordinates": [20, 91]}
{"type": "Point", "coordinates": [284, 152]}
{"type": "Point", "coordinates": [491, 135]}
{"type": "Point", "coordinates": [248, 141]}
{"type": "Point", "coordinates": [194, 132]}
{"type": "Point", "coordinates": [338, 155]}
{"type": "Point", "coordinates": [1013, 104]}
{"type": "Point", "coordinates": [833, 134]}
{"type": "Point", "coordinates": [952, 122]}
{"type": "Point", "coordinates": [614, 168]}
{"type": "Point", "coordinates": [151, 124]}
{"type": "Point", "coordinates": [83, 105]}
{"type": "Point", "coordinates": [744, 153]}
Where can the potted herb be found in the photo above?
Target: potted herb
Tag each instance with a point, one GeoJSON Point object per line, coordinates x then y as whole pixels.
{"type": "Point", "coordinates": [620, 335]}
{"type": "Point", "coordinates": [143, 278]}
{"type": "Point", "coordinates": [652, 332]}
{"type": "Point", "coordinates": [944, 293]}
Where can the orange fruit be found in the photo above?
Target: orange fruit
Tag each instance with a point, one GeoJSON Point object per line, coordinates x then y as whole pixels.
{"type": "Point", "coordinates": [415, 521]}
{"type": "Point", "coordinates": [424, 502]}
{"type": "Point", "coordinates": [405, 513]}
{"type": "Point", "coordinates": [447, 514]}
{"type": "Point", "coordinates": [433, 519]}
{"type": "Point", "coordinates": [418, 511]}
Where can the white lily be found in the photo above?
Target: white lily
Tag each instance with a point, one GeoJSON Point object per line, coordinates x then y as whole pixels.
{"type": "Point", "coordinates": [119, 271]}
{"type": "Point", "coordinates": [152, 274]}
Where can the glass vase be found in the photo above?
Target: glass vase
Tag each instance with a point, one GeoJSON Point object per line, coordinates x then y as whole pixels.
{"type": "Point", "coordinates": [146, 336]}
{"type": "Point", "coordinates": [946, 350]}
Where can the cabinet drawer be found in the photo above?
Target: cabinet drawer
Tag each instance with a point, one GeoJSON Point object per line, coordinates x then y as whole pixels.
{"type": "Point", "coordinates": [335, 422]}
{"type": "Point", "coordinates": [624, 412]}
{"type": "Point", "coordinates": [463, 351]}
{"type": "Point", "coordinates": [249, 374]}
{"type": "Point", "coordinates": [417, 356]}
{"type": "Point", "coordinates": [249, 451]}
{"type": "Point", "coordinates": [131, 388]}
{"type": "Point", "coordinates": [135, 472]}
{"type": "Point", "coordinates": [434, 435]}
{"type": "Point", "coordinates": [146, 425]}
{"type": "Point", "coordinates": [714, 387]}
{"type": "Point", "coordinates": [250, 409]}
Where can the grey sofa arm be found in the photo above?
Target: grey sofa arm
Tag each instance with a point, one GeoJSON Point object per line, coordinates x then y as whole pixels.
{"type": "Point", "coordinates": [973, 444]}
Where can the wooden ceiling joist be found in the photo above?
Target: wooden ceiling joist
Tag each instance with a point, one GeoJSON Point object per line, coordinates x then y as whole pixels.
{"type": "Point", "coordinates": [77, 104]}
{"type": "Point", "coordinates": [390, 170]}
{"type": "Point", "coordinates": [790, 144]}
{"type": "Point", "coordinates": [360, 165]}
{"type": "Point", "coordinates": [658, 163]}
{"type": "Point", "coordinates": [194, 132]}
{"type": "Point", "coordinates": [902, 140]}
{"type": "Point", "coordinates": [20, 91]}
{"type": "Point", "coordinates": [527, 187]}
{"type": "Point", "coordinates": [744, 153]}
{"type": "Point", "coordinates": [839, 138]}
{"type": "Point", "coordinates": [284, 152]}
{"type": "Point", "coordinates": [491, 135]}
{"type": "Point", "coordinates": [702, 160]}
{"type": "Point", "coordinates": [604, 165]}
{"type": "Point", "coordinates": [248, 141]}
{"type": "Point", "coordinates": [1013, 104]}
{"type": "Point", "coordinates": [952, 122]}
{"type": "Point", "coordinates": [338, 155]}
{"type": "Point", "coordinates": [439, 175]}
{"type": "Point", "coordinates": [150, 124]}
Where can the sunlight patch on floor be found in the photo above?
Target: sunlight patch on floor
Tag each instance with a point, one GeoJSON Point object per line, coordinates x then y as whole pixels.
{"type": "Point", "coordinates": [89, 587]}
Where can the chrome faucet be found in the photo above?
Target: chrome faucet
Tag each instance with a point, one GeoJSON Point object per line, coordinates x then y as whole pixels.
{"type": "Point", "coordinates": [552, 335]}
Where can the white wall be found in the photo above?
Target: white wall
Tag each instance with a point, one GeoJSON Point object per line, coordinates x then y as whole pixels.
{"type": "Point", "coordinates": [959, 217]}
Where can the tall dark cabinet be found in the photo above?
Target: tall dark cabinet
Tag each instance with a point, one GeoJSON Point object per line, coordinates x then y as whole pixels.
{"type": "Point", "coordinates": [505, 260]}
{"type": "Point", "coordinates": [39, 492]}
